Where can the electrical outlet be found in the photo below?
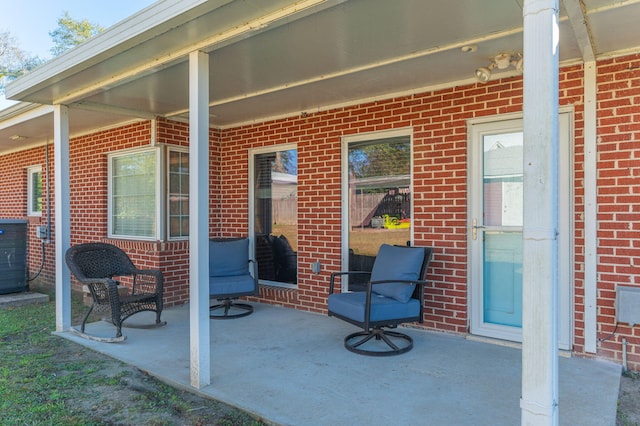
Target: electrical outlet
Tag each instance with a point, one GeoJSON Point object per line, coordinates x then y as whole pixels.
{"type": "Point", "coordinates": [41, 232]}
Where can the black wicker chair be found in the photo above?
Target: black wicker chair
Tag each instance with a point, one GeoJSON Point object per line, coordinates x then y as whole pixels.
{"type": "Point", "coordinates": [394, 294]}
{"type": "Point", "coordinates": [98, 265]}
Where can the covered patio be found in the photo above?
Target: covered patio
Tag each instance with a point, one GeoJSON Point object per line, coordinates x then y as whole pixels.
{"type": "Point", "coordinates": [218, 67]}
{"type": "Point", "coordinates": [290, 368]}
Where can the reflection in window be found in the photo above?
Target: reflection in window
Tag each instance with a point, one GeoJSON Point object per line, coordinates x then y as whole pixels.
{"type": "Point", "coordinates": [178, 194]}
{"type": "Point", "coordinates": [34, 191]}
{"type": "Point", "coordinates": [276, 215]}
{"type": "Point", "coordinates": [503, 179]}
{"type": "Point", "coordinates": [379, 198]}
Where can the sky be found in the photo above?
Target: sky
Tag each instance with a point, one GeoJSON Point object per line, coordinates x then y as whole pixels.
{"type": "Point", "coordinates": [30, 21]}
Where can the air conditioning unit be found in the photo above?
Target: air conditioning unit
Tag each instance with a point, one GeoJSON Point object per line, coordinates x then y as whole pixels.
{"type": "Point", "coordinates": [13, 256]}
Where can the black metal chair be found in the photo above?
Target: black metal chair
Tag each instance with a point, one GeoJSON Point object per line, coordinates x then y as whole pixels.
{"type": "Point", "coordinates": [232, 274]}
{"type": "Point", "coordinates": [394, 295]}
{"type": "Point", "coordinates": [97, 265]}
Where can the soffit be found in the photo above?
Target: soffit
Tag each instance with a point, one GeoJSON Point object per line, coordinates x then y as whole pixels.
{"type": "Point", "coordinates": [319, 55]}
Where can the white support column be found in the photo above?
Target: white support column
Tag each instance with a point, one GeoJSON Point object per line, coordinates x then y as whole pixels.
{"type": "Point", "coordinates": [590, 210]}
{"type": "Point", "coordinates": [62, 212]}
{"type": "Point", "coordinates": [539, 401]}
{"type": "Point", "coordinates": [199, 219]}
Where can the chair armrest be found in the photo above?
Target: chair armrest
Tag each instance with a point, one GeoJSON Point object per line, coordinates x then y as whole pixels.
{"type": "Point", "coordinates": [254, 266]}
{"type": "Point", "coordinates": [102, 289]}
{"type": "Point", "coordinates": [155, 285]}
{"type": "Point", "coordinates": [335, 274]}
{"type": "Point", "coordinates": [416, 282]}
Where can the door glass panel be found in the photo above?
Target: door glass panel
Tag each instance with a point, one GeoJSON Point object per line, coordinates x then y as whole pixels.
{"type": "Point", "coordinates": [276, 215]}
{"type": "Point", "coordinates": [503, 278]}
{"type": "Point", "coordinates": [502, 236]}
{"type": "Point", "coordinates": [379, 199]}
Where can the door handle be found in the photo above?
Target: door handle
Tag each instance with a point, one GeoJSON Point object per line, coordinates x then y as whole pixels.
{"type": "Point", "coordinates": [474, 228]}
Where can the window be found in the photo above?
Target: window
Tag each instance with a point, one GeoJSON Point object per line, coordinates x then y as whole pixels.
{"type": "Point", "coordinates": [274, 205]}
{"type": "Point", "coordinates": [377, 182]}
{"type": "Point", "coordinates": [34, 191]}
{"type": "Point", "coordinates": [134, 194]}
{"type": "Point", "coordinates": [178, 194]}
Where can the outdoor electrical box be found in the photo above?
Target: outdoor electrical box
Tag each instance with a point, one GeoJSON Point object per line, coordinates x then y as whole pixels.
{"type": "Point", "coordinates": [13, 256]}
{"type": "Point", "coordinates": [628, 304]}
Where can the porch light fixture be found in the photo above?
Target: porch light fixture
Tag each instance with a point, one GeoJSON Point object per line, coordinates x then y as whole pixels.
{"type": "Point", "coordinates": [501, 61]}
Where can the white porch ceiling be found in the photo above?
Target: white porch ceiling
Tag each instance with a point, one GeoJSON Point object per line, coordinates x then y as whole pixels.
{"type": "Point", "coordinates": [281, 57]}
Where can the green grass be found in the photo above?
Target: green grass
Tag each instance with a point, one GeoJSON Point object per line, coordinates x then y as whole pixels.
{"type": "Point", "coordinates": [47, 380]}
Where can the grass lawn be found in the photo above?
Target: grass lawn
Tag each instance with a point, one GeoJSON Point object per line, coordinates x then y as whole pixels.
{"type": "Point", "coordinates": [48, 380]}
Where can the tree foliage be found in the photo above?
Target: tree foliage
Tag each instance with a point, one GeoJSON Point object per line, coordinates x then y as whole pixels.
{"type": "Point", "coordinates": [72, 32]}
{"type": "Point", "coordinates": [14, 61]}
{"type": "Point", "coordinates": [387, 158]}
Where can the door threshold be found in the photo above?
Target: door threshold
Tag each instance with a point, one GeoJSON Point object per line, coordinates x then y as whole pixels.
{"type": "Point", "coordinates": [509, 344]}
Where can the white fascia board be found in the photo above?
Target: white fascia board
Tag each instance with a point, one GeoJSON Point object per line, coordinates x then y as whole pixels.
{"type": "Point", "coordinates": [21, 113]}
{"type": "Point", "coordinates": [144, 25]}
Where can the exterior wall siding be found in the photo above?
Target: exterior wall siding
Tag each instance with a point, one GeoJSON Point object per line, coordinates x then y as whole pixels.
{"type": "Point", "coordinates": [438, 121]}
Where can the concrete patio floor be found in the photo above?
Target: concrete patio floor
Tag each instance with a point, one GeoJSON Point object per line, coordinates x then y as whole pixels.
{"type": "Point", "coordinates": [290, 367]}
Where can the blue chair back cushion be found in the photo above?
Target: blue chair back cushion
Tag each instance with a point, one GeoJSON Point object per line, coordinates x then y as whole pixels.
{"type": "Point", "coordinates": [229, 258]}
{"type": "Point", "coordinates": [397, 263]}
{"type": "Point", "coordinates": [352, 305]}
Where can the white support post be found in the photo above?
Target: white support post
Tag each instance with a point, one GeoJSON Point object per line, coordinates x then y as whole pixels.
{"type": "Point", "coordinates": [199, 219]}
{"type": "Point", "coordinates": [539, 401]}
{"type": "Point", "coordinates": [62, 218]}
{"type": "Point", "coordinates": [590, 210]}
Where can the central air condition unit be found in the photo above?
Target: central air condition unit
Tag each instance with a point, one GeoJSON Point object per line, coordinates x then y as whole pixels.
{"type": "Point", "coordinates": [13, 256]}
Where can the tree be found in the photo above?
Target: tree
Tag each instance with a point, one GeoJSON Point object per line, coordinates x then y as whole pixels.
{"type": "Point", "coordinates": [14, 61]}
{"type": "Point", "coordinates": [72, 32]}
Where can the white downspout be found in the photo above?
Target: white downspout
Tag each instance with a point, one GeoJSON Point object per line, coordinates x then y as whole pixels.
{"type": "Point", "coordinates": [539, 401]}
{"type": "Point", "coordinates": [590, 209]}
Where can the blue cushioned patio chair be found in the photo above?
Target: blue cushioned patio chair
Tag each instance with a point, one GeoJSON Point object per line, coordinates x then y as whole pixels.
{"type": "Point", "coordinates": [232, 274]}
{"type": "Point", "coordinates": [394, 295]}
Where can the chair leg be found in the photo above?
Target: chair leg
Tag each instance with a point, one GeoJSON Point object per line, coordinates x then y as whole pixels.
{"type": "Point", "coordinates": [390, 338]}
{"type": "Point", "coordinates": [84, 320]}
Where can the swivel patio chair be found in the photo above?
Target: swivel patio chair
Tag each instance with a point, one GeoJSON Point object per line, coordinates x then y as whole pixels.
{"type": "Point", "coordinates": [98, 266]}
{"type": "Point", "coordinates": [232, 274]}
{"type": "Point", "coordinates": [394, 295]}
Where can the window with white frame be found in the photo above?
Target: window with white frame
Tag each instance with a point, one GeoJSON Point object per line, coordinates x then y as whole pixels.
{"type": "Point", "coordinates": [178, 194]}
{"type": "Point", "coordinates": [134, 194]}
{"type": "Point", "coordinates": [34, 191]}
{"type": "Point", "coordinates": [274, 221]}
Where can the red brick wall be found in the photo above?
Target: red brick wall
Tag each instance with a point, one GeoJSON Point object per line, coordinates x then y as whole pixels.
{"type": "Point", "coordinates": [618, 199]}
{"type": "Point", "coordinates": [438, 121]}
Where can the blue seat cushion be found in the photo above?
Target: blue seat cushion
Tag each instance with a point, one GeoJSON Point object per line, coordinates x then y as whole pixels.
{"type": "Point", "coordinates": [220, 286]}
{"type": "Point", "coordinates": [352, 305]}
{"type": "Point", "coordinates": [228, 258]}
{"type": "Point", "coordinates": [397, 263]}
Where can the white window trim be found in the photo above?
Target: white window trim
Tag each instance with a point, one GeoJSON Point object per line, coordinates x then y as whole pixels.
{"type": "Point", "coordinates": [159, 185]}
{"type": "Point", "coordinates": [252, 233]}
{"type": "Point", "coordinates": [30, 190]}
{"type": "Point", "coordinates": [166, 193]}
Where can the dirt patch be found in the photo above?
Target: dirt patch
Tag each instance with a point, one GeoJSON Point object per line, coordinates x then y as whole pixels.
{"type": "Point", "coordinates": [629, 400]}
{"type": "Point", "coordinates": [124, 395]}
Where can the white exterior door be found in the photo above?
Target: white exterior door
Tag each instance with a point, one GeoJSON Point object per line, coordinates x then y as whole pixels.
{"type": "Point", "coordinates": [495, 229]}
